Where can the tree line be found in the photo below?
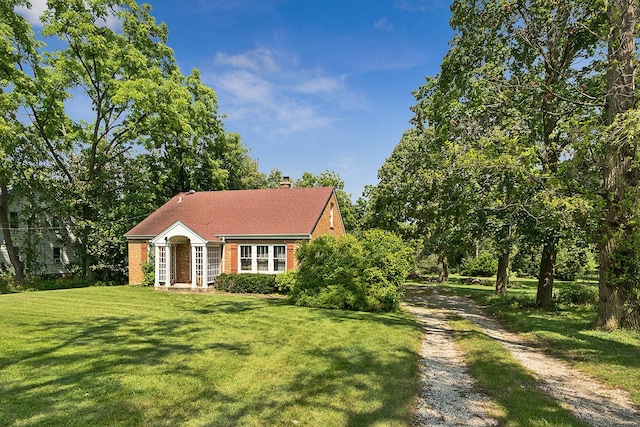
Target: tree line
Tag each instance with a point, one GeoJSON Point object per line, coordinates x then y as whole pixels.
{"type": "Point", "coordinates": [528, 137]}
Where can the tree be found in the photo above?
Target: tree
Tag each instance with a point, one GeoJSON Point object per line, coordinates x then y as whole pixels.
{"type": "Point", "coordinates": [19, 61]}
{"type": "Point", "coordinates": [619, 304]}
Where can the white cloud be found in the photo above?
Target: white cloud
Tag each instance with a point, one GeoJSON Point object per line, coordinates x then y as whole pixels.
{"type": "Point", "coordinates": [326, 85]}
{"type": "Point", "coordinates": [383, 24]}
{"type": "Point", "coordinates": [38, 7]}
{"type": "Point", "coordinates": [246, 86]}
{"type": "Point", "coordinates": [419, 5]}
{"type": "Point", "coordinates": [269, 90]}
{"type": "Point", "coordinates": [256, 60]}
{"type": "Point", "coordinates": [33, 14]}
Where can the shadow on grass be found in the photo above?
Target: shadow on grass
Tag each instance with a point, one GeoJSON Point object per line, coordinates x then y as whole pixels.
{"type": "Point", "coordinates": [81, 372]}
{"type": "Point", "coordinates": [509, 384]}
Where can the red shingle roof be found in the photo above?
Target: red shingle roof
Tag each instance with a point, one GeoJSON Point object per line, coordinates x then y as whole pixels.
{"type": "Point", "coordinates": [282, 211]}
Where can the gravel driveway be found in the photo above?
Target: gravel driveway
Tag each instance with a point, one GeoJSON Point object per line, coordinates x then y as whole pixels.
{"type": "Point", "coordinates": [448, 396]}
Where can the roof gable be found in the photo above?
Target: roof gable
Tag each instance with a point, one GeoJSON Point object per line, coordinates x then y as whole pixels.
{"type": "Point", "coordinates": [213, 214]}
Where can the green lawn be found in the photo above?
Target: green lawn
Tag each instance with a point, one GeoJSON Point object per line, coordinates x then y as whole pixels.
{"type": "Point", "coordinates": [611, 357]}
{"type": "Point", "coordinates": [133, 356]}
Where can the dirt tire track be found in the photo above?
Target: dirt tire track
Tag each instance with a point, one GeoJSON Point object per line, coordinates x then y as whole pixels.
{"type": "Point", "coordinates": [591, 402]}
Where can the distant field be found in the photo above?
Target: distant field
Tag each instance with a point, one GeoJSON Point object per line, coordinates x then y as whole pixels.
{"type": "Point", "coordinates": [125, 356]}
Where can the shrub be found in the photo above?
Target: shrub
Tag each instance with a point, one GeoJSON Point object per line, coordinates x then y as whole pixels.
{"type": "Point", "coordinates": [247, 283]}
{"type": "Point", "coordinates": [570, 262]}
{"type": "Point", "coordinates": [345, 272]}
{"type": "Point", "coordinates": [578, 294]}
{"type": "Point", "coordinates": [484, 265]}
{"type": "Point", "coordinates": [286, 281]}
{"type": "Point", "coordinates": [148, 271]}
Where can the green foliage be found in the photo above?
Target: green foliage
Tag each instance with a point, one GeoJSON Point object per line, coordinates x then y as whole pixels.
{"type": "Point", "coordinates": [8, 283]}
{"type": "Point", "coordinates": [571, 261]}
{"type": "Point", "coordinates": [484, 265]}
{"type": "Point", "coordinates": [286, 281]}
{"type": "Point", "coordinates": [247, 283]}
{"type": "Point", "coordinates": [346, 272]}
{"type": "Point", "coordinates": [148, 271]}
{"type": "Point", "coordinates": [526, 262]}
{"type": "Point", "coordinates": [578, 294]}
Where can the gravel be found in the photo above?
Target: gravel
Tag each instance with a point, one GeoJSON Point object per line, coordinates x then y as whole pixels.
{"type": "Point", "coordinates": [448, 396]}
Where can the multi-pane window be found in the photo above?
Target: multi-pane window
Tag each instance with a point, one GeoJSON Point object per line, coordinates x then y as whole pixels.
{"type": "Point", "coordinates": [57, 255]}
{"type": "Point", "coordinates": [14, 221]}
{"type": "Point", "coordinates": [162, 264]}
{"type": "Point", "coordinates": [246, 260]}
{"type": "Point", "coordinates": [213, 262]}
{"type": "Point", "coordinates": [199, 264]}
{"type": "Point", "coordinates": [279, 258]}
{"type": "Point", "coordinates": [263, 258]}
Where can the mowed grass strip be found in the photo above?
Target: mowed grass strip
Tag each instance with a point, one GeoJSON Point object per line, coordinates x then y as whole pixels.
{"type": "Point", "coordinates": [514, 391]}
{"type": "Point", "coordinates": [133, 356]}
{"type": "Point", "coordinates": [567, 333]}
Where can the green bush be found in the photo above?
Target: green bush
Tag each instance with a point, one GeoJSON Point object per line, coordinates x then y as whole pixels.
{"type": "Point", "coordinates": [570, 262]}
{"type": "Point", "coordinates": [247, 283]}
{"type": "Point", "coordinates": [484, 265]}
{"type": "Point", "coordinates": [346, 272]}
{"type": "Point", "coordinates": [48, 283]}
{"type": "Point", "coordinates": [286, 281]}
{"type": "Point", "coordinates": [148, 271]}
{"type": "Point", "coordinates": [578, 294]}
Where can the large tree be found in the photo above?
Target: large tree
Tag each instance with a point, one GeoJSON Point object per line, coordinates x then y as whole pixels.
{"type": "Point", "coordinates": [19, 64]}
{"type": "Point", "coordinates": [619, 303]}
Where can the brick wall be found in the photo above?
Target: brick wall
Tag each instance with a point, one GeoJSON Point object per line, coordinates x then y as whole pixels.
{"type": "Point", "coordinates": [324, 224]}
{"type": "Point", "coordinates": [137, 256]}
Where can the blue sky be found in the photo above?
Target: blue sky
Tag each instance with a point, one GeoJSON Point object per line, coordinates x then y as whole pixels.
{"type": "Point", "coordinates": [311, 85]}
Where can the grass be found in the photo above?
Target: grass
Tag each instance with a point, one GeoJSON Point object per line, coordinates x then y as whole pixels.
{"type": "Point", "coordinates": [566, 332]}
{"type": "Point", "coordinates": [514, 391]}
{"type": "Point", "coordinates": [129, 356]}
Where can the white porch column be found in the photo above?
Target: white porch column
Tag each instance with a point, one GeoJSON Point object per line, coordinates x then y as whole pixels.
{"type": "Point", "coordinates": [167, 266]}
{"type": "Point", "coordinates": [156, 267]}
{"type": "Point", "coordinates": [194, 280]}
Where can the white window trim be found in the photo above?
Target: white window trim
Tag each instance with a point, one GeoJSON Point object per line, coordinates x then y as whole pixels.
{"type": "Point", "coordinates": [254, 259]}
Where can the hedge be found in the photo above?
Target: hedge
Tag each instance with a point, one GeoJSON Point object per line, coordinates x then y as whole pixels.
{"type": "Point", "coordinates": [247, 283]}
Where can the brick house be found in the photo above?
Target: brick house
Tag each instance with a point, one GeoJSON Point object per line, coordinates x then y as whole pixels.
{"type": "Point", "coordinates": [195, 236]}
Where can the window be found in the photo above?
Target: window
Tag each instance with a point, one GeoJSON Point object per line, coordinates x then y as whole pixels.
{"type": "Point", "coordinates": [213, 262]}
{"type": "Point", "coordinates": [331, 216]}
{"type": "Point", "coordinates": [279, 258]}
{"type": "Point", "coordinates": [14, 221]}
{"type": "Point", "coordinates": [57, 255]}
{"type": "Point", "coordinates": [262, 258]}
{"type": "Point", "coordinates": [162, 264]}
{"type": "Point", "coordinates": [199, 264]}
{"type": "Point", "coordinates": [246, 259]}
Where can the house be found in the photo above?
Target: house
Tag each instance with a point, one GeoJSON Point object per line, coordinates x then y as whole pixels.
{"type": "Point", "coordinates": [42, 243]}
{"type": "Point", "coordinates": [195, 236]}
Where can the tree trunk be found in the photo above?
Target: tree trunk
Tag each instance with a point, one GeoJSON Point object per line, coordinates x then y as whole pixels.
{"type": "Point", "coordinates": [14, 258]}
{"type": "Point", "coordinates": [502, 279]}
{"type": "Point", "coordinates": [444, 274]}
{"type": "Point", "coordinates": [619, 252]}
{"type": "Point", "coordinates": [544, 297]}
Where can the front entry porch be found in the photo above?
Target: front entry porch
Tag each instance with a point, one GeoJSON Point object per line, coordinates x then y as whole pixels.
{"type": "Point", "coordinates": [185, 260]}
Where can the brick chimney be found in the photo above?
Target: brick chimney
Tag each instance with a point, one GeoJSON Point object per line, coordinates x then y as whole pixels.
{"type": "Point", "coordinates": [286, 182]}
